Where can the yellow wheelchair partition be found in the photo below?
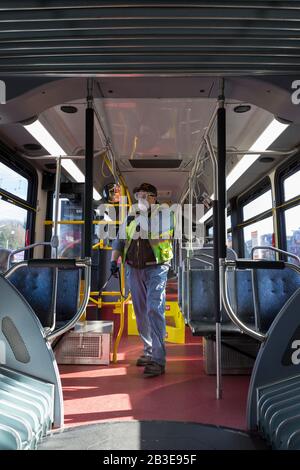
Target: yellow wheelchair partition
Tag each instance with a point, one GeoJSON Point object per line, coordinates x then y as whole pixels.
{"type": "Point", "coordinates": [175, 331]}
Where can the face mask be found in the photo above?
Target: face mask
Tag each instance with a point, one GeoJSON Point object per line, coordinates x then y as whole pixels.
{"type": "Point", "coordinates": [143, 204]}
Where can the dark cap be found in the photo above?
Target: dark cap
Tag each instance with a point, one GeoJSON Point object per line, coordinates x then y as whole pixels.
{"type": "Point", "coordinates": [149, 188]}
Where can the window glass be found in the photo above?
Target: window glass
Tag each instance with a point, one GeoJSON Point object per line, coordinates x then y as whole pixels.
{"type": "Point", "coordinates": [13, 182]}
{"type": "Point", "coordinates": [13, 220]}
{"type": "Point", "coordinates": [258, 205]}
{"type": "Point", "coordinates": [291, 186]}
{"type": "Point", "coordinates": [229, 240]}
{"type": "Point", "coordinates": [70, 241]}
{"type": "Point", "coordinates": [259, 233]}
{"type": "Point", "coordinates": [228, 222]}
{"type": "Point", "coordinates": [70, 235]}
{"type": "Point", "coordinates": [292, 227]}
{"type": "Point", "coordinates": [209, 234]}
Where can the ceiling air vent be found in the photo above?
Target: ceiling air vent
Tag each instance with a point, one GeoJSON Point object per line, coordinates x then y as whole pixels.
{"type": "Point", "coordinates": [159, 163]}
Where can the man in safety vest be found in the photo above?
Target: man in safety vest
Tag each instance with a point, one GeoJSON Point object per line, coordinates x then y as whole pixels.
{"type": "Point", "coordinates": [145, 242]}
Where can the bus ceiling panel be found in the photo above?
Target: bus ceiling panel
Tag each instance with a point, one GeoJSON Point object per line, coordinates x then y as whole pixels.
{"type": "Point", "coordinates": [28, 96]}
{"type": "Point", "coordinates": [157, 128]}
{"type": "Point", "coordinates": [156, 86]}
{"type": "Point", "coordinates": [175, 25]}
{"type": "Point", "coordinates": [189, 43]}
{"type": "Point", "coordinates": [273, 94]}
{"type": "Point", "coordinates": [137, 11]}
{"type": "Point", "coordinates": [270, 93]}
{"type": "Point", "coordinates": [243, 128]}
{"type": "Point", "coordinates": [210, 38]}
{"type": "Point", "coordinates": [151, 62]}
{"type": "Point", "coordinates": [68, 123]}
{"type": "Point", "coordinates": [19, 140]}
{"type": "Point", "coordinates": [289, 139]}
{"type": "Point", "coordinates": [149, 132]}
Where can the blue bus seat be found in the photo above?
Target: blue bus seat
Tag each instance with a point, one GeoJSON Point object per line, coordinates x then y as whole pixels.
{"type": "Point", "coordinates": [202, 259]}
{"type": "Point", "coordinates": [272, 289]}
{"type": "Point", "coordinates": [36, 284]}
{"type": "Point", "coordinates": [244, 297]}
{"type": "Point", "coordinates": [202, 318]}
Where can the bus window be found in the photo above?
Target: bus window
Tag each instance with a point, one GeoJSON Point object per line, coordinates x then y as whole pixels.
{"type": "Point", "coordinates": [259, 233]}
{"type": "Point", "coordinates": [292, 230]}
{"type": "Point", "coordinates": [209, 230]}
{"type": "Point", "coordinates": [291, 186]}
{"type": "Point", "coordinates": [288, 202]}
{"type": "Point", "coordinates": [13, 222]}
{"type": "Point", "coordinates": [13, 182]}
{"type": "Point", "coordinates": [16, 216]}
{"type": "Point", "coordinates": [259, 205]}
{"type": "Point", "coordinates": [257, 223]}
{"type": "Point", "coordinates": [70, 235]}
{"type": "Point", "coordinates": [229, 231]}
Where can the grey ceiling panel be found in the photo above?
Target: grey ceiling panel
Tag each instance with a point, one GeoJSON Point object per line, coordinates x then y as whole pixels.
{"type": "Point", "coordinates": [140, 37]}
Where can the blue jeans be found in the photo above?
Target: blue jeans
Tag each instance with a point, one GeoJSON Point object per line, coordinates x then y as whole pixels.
{"type": "Point", "coordinates": [148, 292]}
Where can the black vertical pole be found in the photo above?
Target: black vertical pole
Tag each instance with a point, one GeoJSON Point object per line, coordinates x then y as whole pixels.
{"type": "Point", "coordinates": [88, 187]}
{"type": "Point", "coordinates": [219, 231]}
{"type": "Point", "coordinates": [222, 179]}
{"type": "Point", "coordinates": [216, 260]}
{"type": "Point", "coordinates": [219, 205]}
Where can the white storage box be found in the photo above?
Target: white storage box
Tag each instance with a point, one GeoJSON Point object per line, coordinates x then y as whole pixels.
{"type": "Point", "coordinates": [89, 343]}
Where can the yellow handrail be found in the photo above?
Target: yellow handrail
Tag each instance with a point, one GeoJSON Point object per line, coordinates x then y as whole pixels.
{"type": "Point", "coordinates": [122, 312]}
{"type": "Point", "coordinates": [81, 222]}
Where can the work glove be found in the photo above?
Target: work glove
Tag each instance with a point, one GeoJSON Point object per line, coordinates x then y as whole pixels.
{"type": "Point", "coordinates": [114, 268]}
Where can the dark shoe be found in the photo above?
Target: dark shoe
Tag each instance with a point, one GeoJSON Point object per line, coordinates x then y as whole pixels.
{"type": "Point", "coordinates": [153, 369]}
{"type": "Point", "coordinates": [143, 361]}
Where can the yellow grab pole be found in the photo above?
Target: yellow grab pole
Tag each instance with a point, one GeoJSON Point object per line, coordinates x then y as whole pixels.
{"type": "Point", "coordinates": [122, 314]}
{"type": "Point", "coordinates": [81, 222]}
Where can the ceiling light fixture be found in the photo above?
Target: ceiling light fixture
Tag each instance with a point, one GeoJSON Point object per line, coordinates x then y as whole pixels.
{"type": "Point", "coordinates": [267, 137]}
{"type": "Point", "coordinates": [40, 133]}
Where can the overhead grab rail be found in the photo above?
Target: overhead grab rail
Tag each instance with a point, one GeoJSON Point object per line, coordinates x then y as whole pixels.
{"type": "Point", "coordinates": [284, 153]}
{"type": "Point", "coordinates": [276, 250]}
{"type": "Point", "coordinates": [62, 264]}
{"type": "Point", "coordinates": [64, 157]}
{"type": "Point", "coordinates": [247, 264]}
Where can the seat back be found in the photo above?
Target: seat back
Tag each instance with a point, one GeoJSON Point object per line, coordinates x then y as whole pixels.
{"type": "Point", "coordinates": [23, 346]}
{"type": "Point", "coordinates": [36, 284]}
{"type": "Point", "coordinates": [67, 294]}
{"type": "Point", "coordinates": [244, 296]}
{"type": "Point", "coordinates": [273, 288]}
{"type": "Point", "coordinates": [202, 296]}
{"type": "Point", "coordinates": [202, 300]}
{"type": "Point", "coordinates": [198, 282]}
{"type": "Point", "coordinates": [183, 295]}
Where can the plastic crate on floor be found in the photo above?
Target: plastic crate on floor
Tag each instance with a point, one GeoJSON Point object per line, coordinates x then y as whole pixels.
{"type": "Point", "coordinates": [175, 329]}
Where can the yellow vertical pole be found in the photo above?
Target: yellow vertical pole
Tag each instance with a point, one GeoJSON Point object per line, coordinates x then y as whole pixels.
{"type": "Point", "coordinates": [122, 274]}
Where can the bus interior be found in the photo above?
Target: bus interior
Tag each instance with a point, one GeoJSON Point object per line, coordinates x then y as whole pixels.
{"type": "Point", "coordinates": [200, 101]}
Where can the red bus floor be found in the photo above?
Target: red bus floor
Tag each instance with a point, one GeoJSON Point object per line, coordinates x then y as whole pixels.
{"type": "Point", "coordinates": [185, 393]}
